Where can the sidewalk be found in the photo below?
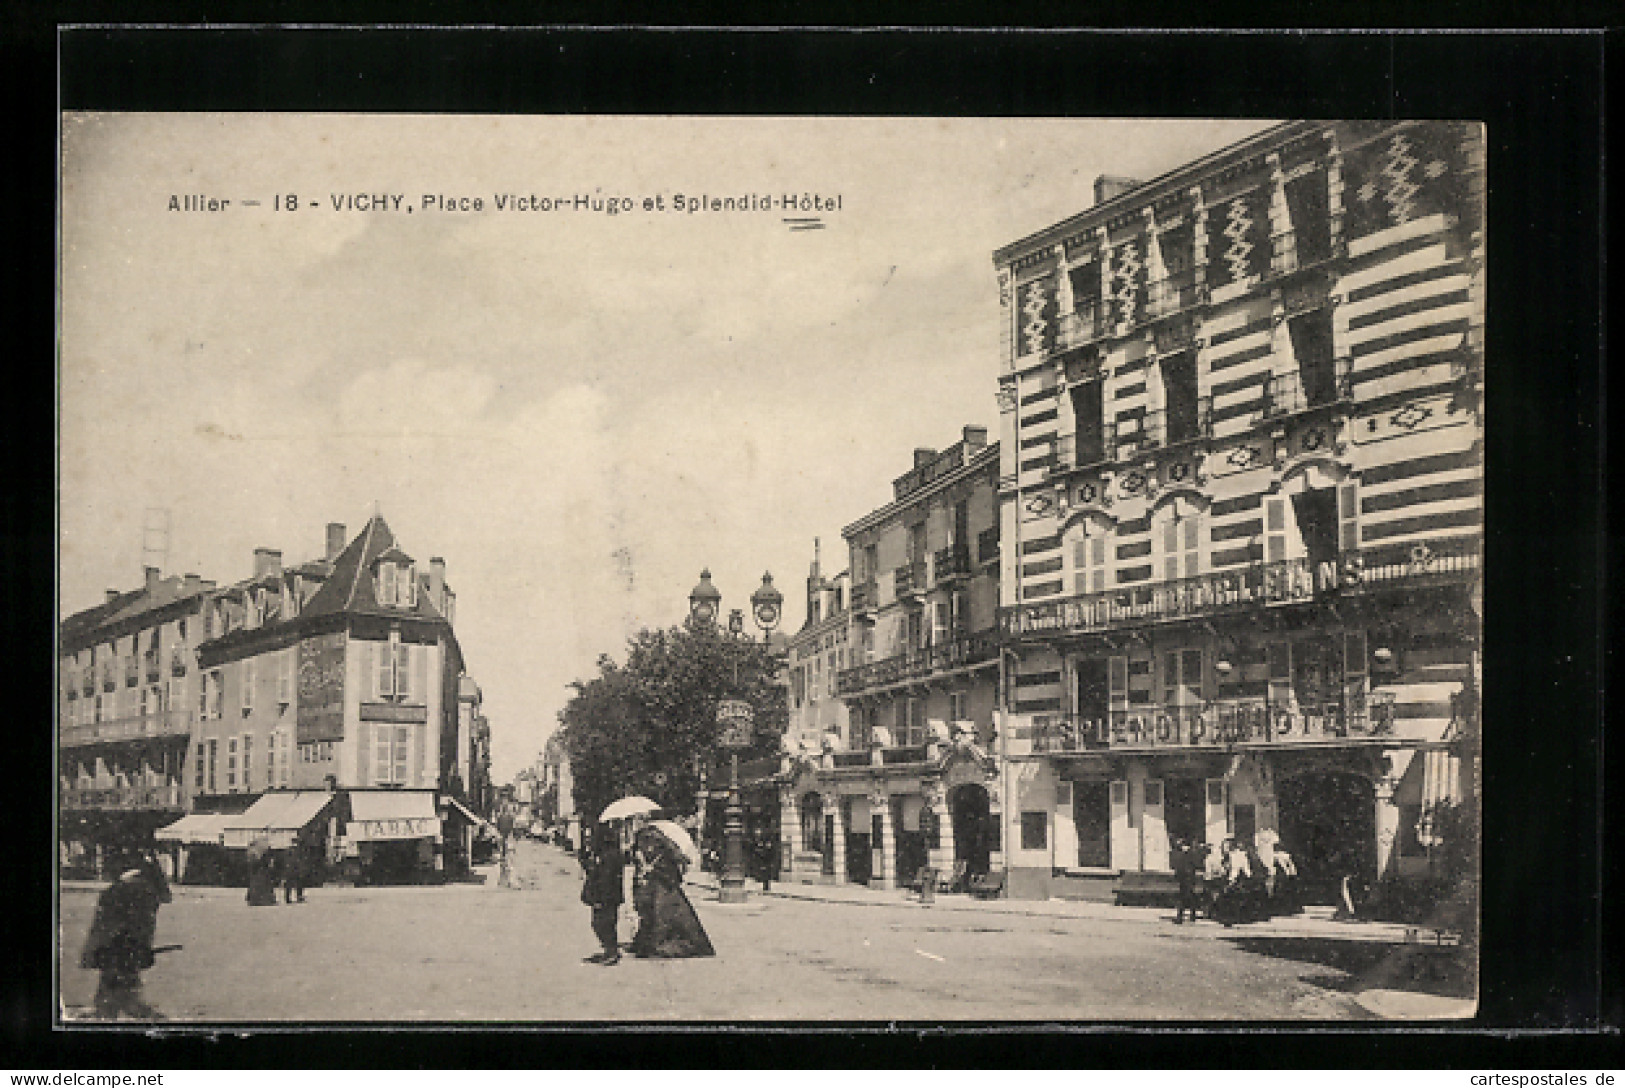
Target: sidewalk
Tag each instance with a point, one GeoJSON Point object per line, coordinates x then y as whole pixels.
{"type": "Point", "coordinates": [1314, 923]}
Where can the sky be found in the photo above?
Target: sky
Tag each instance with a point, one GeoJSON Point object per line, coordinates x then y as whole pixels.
{"type": "Point", "coordinates": [579, 411]}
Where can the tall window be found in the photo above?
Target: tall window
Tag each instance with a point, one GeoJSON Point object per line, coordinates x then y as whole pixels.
{"type": "Point", "coordinates": [214, 765]}
{"type": "Point", "coordinates": [286, 664]}
{"type": "Point", "coordinates": [394, 668]}
{"type": "Point", "coordinates": [397, 584]}
{"type": "Point", "coordinates": [249, 676]}
{"type": "Point", "coordinates": [248, 760]}
{"type": "Point", "coordinates": [199, 765]}
{"type": "Point", "coordinates": [390, 743]}
{"type": "Point", "coordinates": [1182, 678]}
{"type": "Point", "coordinates": [1181, 543]}
{"type": "Point", "coordinates": [1089, 422]}
{"type": "Point", "coordinates": [1091, 558]}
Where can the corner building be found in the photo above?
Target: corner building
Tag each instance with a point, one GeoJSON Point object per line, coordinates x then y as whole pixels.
{"type": "Point", "coordinates": [1241, 499]}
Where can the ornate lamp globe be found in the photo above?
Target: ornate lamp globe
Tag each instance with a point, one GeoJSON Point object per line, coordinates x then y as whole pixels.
{"type": "Point", "coordinates": [766, 604]}
{"type": "Point", "coordinates": [703, 600]}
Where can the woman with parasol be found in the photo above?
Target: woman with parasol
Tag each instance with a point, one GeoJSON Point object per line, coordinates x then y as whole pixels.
{"type": "Point", "coordinates": [668, 928]}
{"type": "Point", "coordinates": [261, 874]}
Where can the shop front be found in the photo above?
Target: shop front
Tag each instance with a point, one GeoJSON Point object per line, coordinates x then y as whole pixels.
{"type": "Point", "coordinates": [392, 837]}
{"type": "Point", "coordinates": [881, 817]}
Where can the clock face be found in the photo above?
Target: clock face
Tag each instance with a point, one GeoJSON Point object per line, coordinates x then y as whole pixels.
{"type": "Point", "coordinates": [767, 614]}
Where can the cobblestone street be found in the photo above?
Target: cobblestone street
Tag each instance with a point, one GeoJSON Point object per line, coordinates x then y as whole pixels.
{"type": "Point", "coordinates": [488, 953]}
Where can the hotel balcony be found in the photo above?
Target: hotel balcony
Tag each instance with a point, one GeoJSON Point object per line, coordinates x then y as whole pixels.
{"type": "Point", "coordinates": [917, 665]}
{"type": "Point", "coordinates": [908, 581]}
{"type": "Point", "coordinates": [168, 796]}
{"type": "Point", "coordinates": [1241, 589]}
{"type": "Point", "coordinates": [1306, 389]}
{"type": "Point", "coordinates": [170, 723]}
{"type": "Point", "coordinates": [1172, 294]}
{"type": "Point", "coordinates": [1083, 326]}
{"type": "Point", "coordinates": [950, 565]}
{"type": "Point", "coordinates": [1221, 723]}
{"type": "Point", "coordinates": [1295, 251]}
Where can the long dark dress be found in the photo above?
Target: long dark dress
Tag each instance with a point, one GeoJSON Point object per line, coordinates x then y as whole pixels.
{"type": "Point", "coordinates": [120, 941]}
{"type": "Point", "coordinates": [668, 928]}
{"type": "Point", "coordinates": [261, 880]}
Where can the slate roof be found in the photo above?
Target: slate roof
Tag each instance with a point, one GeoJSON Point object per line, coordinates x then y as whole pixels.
{"type": "Point", "coordinates": [351, 589]}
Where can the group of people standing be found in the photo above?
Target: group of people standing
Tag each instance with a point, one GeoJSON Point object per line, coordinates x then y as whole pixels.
{"type": "Point", "coordinates": [266, 868]}
{"type": "Point", "coordinates": [1235, 881]}
{"type": "Point", "coordinates": [668, 928]}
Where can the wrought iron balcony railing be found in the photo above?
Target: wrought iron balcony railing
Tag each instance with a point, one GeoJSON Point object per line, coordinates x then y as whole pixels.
{"type": "Point", "coordinates": [169, 723]}
{"type": "Point", "coordinates": [1294, 250]}
{"type": "Point", "coordinates": [1084, 325]}
{"type": "Point", "coordinates": [1309, 387]}
{"type": "Point", "coordinates": [1172, 294]}
{"type": "Point", "coordinates": [919, 664]}
{"type": "Point", "coordinates": [864, 596]}
{"type": "Point", "coordinates": [909, 579]}
{"type": "Point", "coordinates": [950, 564]}
{"type": "Point", "coordinates": [1219, 723]}
{"type": "Point", "coordinates": [168, 796]}
{"type": "Point", "coordinates": [1242, 588]}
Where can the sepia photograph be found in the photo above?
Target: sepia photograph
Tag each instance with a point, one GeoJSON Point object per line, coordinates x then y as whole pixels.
{"type": "Point", "coordinates": [656, 569]}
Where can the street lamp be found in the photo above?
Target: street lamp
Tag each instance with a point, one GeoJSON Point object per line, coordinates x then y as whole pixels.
{"type": "Point", "coordinates": [704, 600]}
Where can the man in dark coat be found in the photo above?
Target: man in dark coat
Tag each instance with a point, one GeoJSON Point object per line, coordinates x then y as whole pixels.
{"type": "Point", "coordinates": [120, 940]}
{"type": "Point", "coordinates": [293, 873]}
{"type": "Point", "coordinates": [603, 892]}
{"type": "Point", "coordinates": [1185, 864]}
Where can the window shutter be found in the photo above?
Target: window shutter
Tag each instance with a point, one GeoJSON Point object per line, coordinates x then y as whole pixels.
{"type": "Point", "coordinates": [1117, 671]}
{"type": "Point", "coordinates": [420, 673]}
{"type": "Point", "coordinates": [1192, 545]}
{"type": "Point", "coordinates": [420, 737]}
{"type": "Point", "coordinates": [1097, 548]}
{"type": "Point", "coordinates": [248, 683]}
{"type": "Point", "coordinates": [1348, 516]}
{"type": "Point", "coordinates": [1275, 530]}
{"type": "Point", "coordinates": [402, 734]}
{"type": "Point", "coordinates": [1170, 550]}
{"type": "Point", "coordinates": [383, 672]}
{"type": "Point", "coordinates": [409, 587]}
{"type": "Point", "coordinates": [363, 752]}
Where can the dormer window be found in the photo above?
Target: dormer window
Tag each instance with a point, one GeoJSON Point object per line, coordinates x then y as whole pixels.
{"type": "Point", "coordinates": [397, 583]}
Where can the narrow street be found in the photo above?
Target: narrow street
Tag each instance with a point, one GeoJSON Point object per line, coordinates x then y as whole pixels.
{"type": "Point", "coordinates": [487, 953]}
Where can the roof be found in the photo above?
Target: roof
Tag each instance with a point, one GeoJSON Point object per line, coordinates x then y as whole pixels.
{"type": "Point", "coordinates": [126, 606]}
{"type": "Point", "coordinates": [467, 689]}
{"type": "Point", "coordinates": [350, 587]}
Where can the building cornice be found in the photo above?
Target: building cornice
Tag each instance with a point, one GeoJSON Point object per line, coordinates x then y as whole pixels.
{"type": "Point", "coordinates": [987, 457]}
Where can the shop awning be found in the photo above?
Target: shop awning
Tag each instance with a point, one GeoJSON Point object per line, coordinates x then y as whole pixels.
{"type": "Point", "coordinates": [196, 828]}
{"type": "Point", "coordinates": [477, 821]}
{"type": "Point", "coordinates": [275, 817]}
{"type": "Point", "coordinates": [384, 815]}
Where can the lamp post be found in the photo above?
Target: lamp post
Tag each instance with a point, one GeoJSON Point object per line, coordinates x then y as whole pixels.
{"type": "Point", "coordinates": [735, 720]}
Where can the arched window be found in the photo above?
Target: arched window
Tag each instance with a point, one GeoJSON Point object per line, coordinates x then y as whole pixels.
{"type": "Point", "coordinates": [1179, 531]}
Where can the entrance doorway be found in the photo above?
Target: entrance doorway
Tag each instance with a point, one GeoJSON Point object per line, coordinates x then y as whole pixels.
{"type": "Point", "coordinates": [1092, 816]}
{"type": "Point", "coordinates": [1328, 825]}
{"type": "Point", "coordinates": [973, 828]}
{"type": "Point", "coordinates": [1184, 809]}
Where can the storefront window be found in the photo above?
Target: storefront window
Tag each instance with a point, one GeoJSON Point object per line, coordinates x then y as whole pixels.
{"type": "Point", "coordinates": [1034, 831]}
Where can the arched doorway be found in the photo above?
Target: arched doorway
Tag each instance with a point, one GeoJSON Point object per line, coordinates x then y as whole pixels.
{"type": "Point", "coordinates": [973, 827]}
{"type": "Point", "coordinates": [1328, 825]}
{"type": "Point", "coordinates": [812, 832]}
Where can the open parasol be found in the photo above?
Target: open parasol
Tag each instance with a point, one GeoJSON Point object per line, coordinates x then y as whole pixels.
{"type": "Point", "coordinates": [627, 807]}
{"type": "Point", "coordinates": [678, 838]}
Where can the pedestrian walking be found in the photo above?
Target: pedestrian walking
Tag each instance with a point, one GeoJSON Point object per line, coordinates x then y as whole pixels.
{"type": "Point", "coordinates": [667, 925]}
{"type": "Point", "coordinates": [1185, 864]}
{"type": "Point", "coordinates": [604, 870]}
{"type": "Point", "coordinates": [261, 875]}
{"type": "Point", "coordinates": [293, 874]}
{"type": "Point", "coordinates": [120, 940]}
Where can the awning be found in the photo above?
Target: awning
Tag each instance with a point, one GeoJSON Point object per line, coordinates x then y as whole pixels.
{"type": "Point", "coordinates": [196, 828]}
{"type": "Point", "coordinates": [384, 815]}
{"type": "Point", "coordinates": [275, 817]}
{"type": "Point", "coordinates": [477, 821]}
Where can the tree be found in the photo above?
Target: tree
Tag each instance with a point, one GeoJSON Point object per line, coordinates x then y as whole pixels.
{"type": "Point", "coordinates": [649, 726]}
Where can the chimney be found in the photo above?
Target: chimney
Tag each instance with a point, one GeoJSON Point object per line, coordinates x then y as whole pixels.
{"type": "Point", "coordinates": [267, 561]}
{"type": "Point", "coordinates": [191, 584]}
{"type": "Point", "coordinates": [335, 539]}
{"type": "Point", "coordinates": [153, 574]}
{"type": "Point", "coordinates": [437, 582]}
{"type": "Point", "coordinates": [924, 455]}
{"type": "Point", "coordinates": [975, 437]}
{"type": "Point", "coordinates": [1108, 187]}
{"type": "Point", "coordinates": [112, 595]}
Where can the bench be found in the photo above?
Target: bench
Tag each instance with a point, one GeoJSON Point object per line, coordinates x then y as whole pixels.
{"type": "Point", "coordinates": [987, 885]}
